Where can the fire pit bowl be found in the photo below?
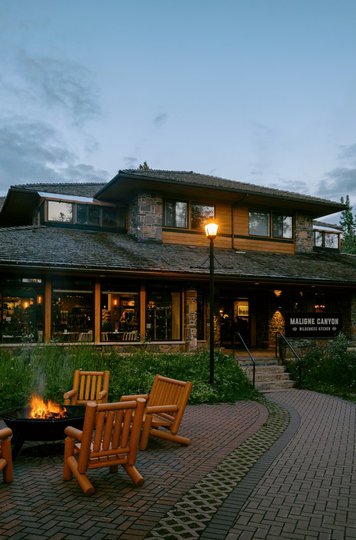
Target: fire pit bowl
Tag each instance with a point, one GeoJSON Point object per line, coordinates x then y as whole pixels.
{"type": "Point", "coordinates": [26, 428]}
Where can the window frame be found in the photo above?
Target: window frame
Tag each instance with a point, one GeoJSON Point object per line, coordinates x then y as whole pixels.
{"type": "Point", "coordinates": [44, 215]}
{"type": "Point", "coordinates": [189, 204]}
{"type": "Point", "coordinates": [270, 217]}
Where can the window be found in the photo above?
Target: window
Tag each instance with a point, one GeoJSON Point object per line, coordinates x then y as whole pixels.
{"type": "Point", "coordinates": [199, 215]}
{"type": "Point", "coordinates": [119, 316]}
{"type": "Point", "coordinates": [72, 312]}
{"type": "Point", "coordinates": [282, 226]}
{"type": "Point", "coordinates": [60, 211]}
{"type": "Point", "coordinates": [268, 224]}
{"type": "Point", "coordinates": [86, 215]}
{"type": "Point", "coordinates": [185, 215]}
{"type": "Point", "coordinates": [176, 214]}
{"type": "Point", "coordinates": [258, 224]}
{"type": "Point", "coordinates": [326, 240]}
{"type": "Point", "coordinates": [163, 314]}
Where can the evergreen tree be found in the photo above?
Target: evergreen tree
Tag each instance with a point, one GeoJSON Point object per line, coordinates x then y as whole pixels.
{"type": "Point", "coordinates": [143, 166]}
{"type": "Point", "coordinates": [348, 224]}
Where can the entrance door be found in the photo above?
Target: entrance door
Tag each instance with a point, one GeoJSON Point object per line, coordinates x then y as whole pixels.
{"type": "Point", "coordinates": [234, 322]}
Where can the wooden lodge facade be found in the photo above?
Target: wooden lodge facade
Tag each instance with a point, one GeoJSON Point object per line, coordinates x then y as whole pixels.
{"type": "Point", "coordinates": [125, 263]}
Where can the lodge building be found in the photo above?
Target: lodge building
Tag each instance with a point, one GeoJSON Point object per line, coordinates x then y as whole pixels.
{"type": "Point", "coordinates": [126, 263]}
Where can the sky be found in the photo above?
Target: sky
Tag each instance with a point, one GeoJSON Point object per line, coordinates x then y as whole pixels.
{"type": "Point", "coordinates": [260, 91]}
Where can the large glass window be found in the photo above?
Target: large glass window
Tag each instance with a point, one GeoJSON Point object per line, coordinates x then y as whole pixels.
{"type": "Point", "coordinates": [21, 311]}
{"type": "Point", "coordinates": [258, 223]}
{"type": "Point", "coordinates": [60, 211]}
{"type": "Point", "coordinates": [282, 226]}
{"type": "Point", "coordinates": [176, 214]}
{"type": "Point", "coordinates": [119, 316]}
{"type": "Point", "coordinates": [72, 312]}
{"type": "Point", "coordinates": [269, 224]}
{"type": "Point", "coordinates": [163, 314]}
{"type": "Point", "coordinates": [200, 214]}
{"type": "Point", "coordinates": [325, 239]}
{"type": "Point", "coordinates": [88, 214]}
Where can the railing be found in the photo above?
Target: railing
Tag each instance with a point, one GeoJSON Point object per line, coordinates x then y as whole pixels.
{"type": "Point", "coordinates": [251, 358]}
{"type": "Point", "coordinates": [280, 338]}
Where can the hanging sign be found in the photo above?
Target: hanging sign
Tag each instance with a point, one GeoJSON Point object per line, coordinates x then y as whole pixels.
{"type": "Point", "coordinates": [312, 324]}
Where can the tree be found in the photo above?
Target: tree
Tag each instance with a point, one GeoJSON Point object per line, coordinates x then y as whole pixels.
{"type": "Point", "coordinates": [348, 224]}
{"type": "Point", "coordinates": [143, 166]}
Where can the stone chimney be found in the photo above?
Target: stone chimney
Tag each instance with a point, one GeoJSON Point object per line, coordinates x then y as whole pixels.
{"type": "Point", "coordinates": [145, 217]}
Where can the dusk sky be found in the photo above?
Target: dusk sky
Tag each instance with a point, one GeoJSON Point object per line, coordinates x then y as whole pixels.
{"type": "Point", "coordinates": [261, 91]}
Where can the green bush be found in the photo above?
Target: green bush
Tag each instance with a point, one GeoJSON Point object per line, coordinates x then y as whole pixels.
{"type": "Point", "coordinates": [330, 369]}
{"type": "Point", "coordinates": [49, 372]}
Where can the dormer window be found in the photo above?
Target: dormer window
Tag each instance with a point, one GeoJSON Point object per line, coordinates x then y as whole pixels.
{"type": "Point", "coordinates": [279, 226]}
{"type": "Point", "coordinates": [83, 215]}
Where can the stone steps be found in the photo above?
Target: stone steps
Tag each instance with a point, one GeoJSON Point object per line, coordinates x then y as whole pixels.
{"type": "Point", "coordinates": [269, 375]}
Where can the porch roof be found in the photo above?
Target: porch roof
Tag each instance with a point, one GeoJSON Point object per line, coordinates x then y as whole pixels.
{"type": "Point", "coordinates": [40, 248]}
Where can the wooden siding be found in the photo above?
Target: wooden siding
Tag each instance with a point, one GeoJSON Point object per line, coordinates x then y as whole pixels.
{"type": "Point", "coordinates": [228, 218]}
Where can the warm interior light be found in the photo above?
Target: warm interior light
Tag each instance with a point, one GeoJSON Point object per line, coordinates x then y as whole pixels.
{"type": "Point", "coordinates": [211, 230]}
{"type": "Point", "coordinates": [277, 292]}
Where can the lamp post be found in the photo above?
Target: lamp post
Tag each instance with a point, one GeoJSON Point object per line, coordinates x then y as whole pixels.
{"type": "Point", "coordinates": [211, 230]}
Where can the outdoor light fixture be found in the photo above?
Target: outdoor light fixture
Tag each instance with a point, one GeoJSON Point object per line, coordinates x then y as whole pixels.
{"type": "Point", "coordinates": [211, 230]}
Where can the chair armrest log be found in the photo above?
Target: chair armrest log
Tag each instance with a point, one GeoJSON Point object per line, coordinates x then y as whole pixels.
{"type": "Point", "coordinates": [5, 433]}
{"type": "Point", "coordinates": [134, 397]}
{"type": "Point", "coordinates": [73, 432]}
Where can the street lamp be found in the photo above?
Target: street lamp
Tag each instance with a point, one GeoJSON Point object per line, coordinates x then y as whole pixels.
{"type": "Point", "coordinates": [211, 230]}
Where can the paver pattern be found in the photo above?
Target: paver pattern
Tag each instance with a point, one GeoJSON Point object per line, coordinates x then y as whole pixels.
{"type": "Point", "coordinates": [281, 470]}
{"type": "Point", "coordinates": [39, 504]}
{"type": "Point", "coordinates": [309, 491]}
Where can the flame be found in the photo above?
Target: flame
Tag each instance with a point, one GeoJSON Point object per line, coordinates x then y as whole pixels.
{"type": "Point", "coordinates": [40, 409]}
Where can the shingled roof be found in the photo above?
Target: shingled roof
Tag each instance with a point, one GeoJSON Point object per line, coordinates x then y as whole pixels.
{"type": "Point", "coordinates": [68, 249]}
{"type": "Point", "coordinates": [81, 189]}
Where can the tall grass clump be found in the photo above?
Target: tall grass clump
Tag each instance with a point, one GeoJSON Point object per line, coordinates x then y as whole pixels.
{"type": "Point", "coordinates": [49, 372]}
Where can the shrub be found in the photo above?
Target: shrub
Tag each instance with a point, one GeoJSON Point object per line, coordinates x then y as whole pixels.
{"type": "Point", "coordinates": [49, 372]}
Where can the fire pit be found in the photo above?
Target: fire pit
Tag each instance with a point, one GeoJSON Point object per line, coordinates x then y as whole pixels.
{"type": "Point", "coordinates": [45, 422]}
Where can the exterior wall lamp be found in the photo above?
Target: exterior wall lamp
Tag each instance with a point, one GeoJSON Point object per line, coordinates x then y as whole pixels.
{"type": "Point", "coordinates": [211, 230]}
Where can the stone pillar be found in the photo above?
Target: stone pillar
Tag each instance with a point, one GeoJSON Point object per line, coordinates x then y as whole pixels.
{"type": "Point", "coordinates": [304, 240]}
{"type": "Point", "coordinates": [190, 319]}
{"type": "Point", "coordinates": [145, 223]}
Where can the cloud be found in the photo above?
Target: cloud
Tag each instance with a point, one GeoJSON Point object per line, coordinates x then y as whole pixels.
{"type": "Point", "coordinates": [62, 84]}
{"type": "Point", "coordinates": [34, 151]}
{"type": "Point", "coordinates": [348, 153]}
{"type": "Point", "coordinates": [160, 119]}
{"type": "Point", "coordinates": [338, 183]}
{"type": "Point", "coordinates": [130, 162]}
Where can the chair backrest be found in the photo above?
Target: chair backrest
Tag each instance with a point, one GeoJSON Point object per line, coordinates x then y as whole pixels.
{"type": "Point", "coordinates": [89, 385]}
{"type": "Point", "coordinates": [130, 336]}
{"type": "Point", "coordinates": [111, 434]}
{"type": "Point", "coordinates": [166, 391]}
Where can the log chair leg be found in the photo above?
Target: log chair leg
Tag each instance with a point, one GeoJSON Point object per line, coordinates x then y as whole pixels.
{"type": "Point", "coordinates": [68, 452]}
{"type": "Point", "coordinates": [83, 480]}
{"type": "Point", "coordinates": [133, 473]}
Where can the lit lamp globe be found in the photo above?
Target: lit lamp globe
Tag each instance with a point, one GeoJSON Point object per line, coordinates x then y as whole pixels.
{"type": "Point", "coordinates": [211, 230]}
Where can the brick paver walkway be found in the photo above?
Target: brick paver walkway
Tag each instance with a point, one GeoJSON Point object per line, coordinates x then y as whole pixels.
{"type": "Point", "coordinates": [39, 504]}
{"type": "Point", "coordinates": [286, 470]}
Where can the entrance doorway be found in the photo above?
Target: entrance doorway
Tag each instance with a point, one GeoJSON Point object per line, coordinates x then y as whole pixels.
{"type": "Point", "coordinates": [234, 317]}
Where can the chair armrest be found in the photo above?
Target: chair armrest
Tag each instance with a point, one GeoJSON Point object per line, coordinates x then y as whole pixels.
{"type": "Point", "coordinates": [134, 397]}
{"type": "Point", "coordinates": [5, 433]}
{"type": "Point", "coordinates": [103, 394]}
{"type": "Point", "coordinates": [73, 432]}
{"type": "Point", "coordinates": [156, 409]}
{"type": "Point", "coordinates": [69, 394]}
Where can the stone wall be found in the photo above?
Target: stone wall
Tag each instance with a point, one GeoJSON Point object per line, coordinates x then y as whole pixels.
{"type": "Point", "coordinates": [145, 218]}
{"type": "Point", "coordinates": [304, 240]}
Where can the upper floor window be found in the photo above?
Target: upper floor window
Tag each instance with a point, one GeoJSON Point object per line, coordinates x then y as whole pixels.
{"type": "Point", "coordinates": [326, 240]}
{"type": "Point", "coordinates": [186, 215]}
{"type": "Point", "coordinates": [88, 215]}
{"type": "Point", "coordinates": [176, 214]}
{"type": "Point", "coordinates": [269, 224]}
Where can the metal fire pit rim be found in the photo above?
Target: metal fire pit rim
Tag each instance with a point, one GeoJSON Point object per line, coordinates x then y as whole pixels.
{"type": "Point", "coordinates": [11, 415]}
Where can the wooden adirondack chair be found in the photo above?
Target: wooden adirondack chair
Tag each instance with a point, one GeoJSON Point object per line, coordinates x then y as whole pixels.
{"type": "Point", "coordinates": [88, 386]}
{"type": "Point", "coordinates": [164, 410]}
{"type": "Point", "coordinates": [110, 437]}
{"type": "Point", "coordinates": [5, 454]}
